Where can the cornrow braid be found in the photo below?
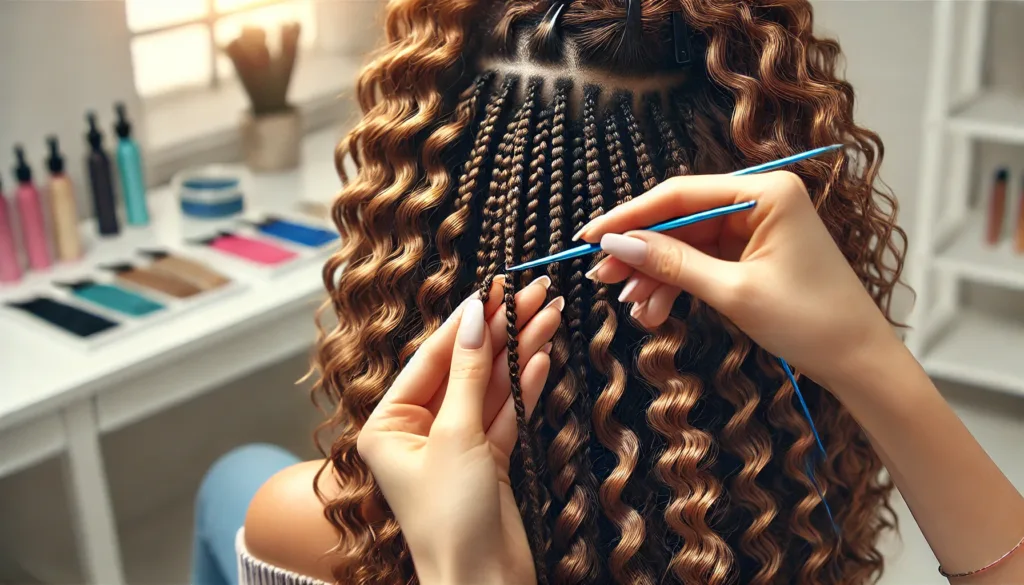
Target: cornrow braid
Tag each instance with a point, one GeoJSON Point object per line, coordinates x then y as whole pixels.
{"type": "Point", "coordinates": [556, 204]}
{"type": "Point", "coordinates": [498, 197]}
{"type": "Point", "coordinates": [494, 112]}
{"type": "Point", "coordinates": [617, 159]}
{"type": "Point", "coordinates": [438, 284]}
{"type": "Point", "coordinates": [575, 529]}
{"type": "Point", "coordinates": [513, 191]}
{"type": "Point", "coordinates": [636, 136]}
{"type": "Point", "coordinates": [675, 164]}
{"type": "Point", "coordinates": [618, 439]}
{"type": "Point", "coordinates": [539, 158]}
{"type": "Point", "coordinates": [538, 162]}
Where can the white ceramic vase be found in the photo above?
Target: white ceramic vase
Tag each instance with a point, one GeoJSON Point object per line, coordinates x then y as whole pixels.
{"type": "Point", "coordinates": [272, 143]}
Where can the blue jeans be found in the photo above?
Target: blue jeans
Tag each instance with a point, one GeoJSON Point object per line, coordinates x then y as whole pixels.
{"type": "Point", "coordinates": [221, 504]}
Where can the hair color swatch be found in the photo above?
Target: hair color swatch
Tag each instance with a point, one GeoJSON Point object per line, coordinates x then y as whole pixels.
{"type": "Point", "coordinates": [168, 284]}
{"type": "Point", "coordinates": [191, 271]}
{"type": "Point", "coordinates": [251, 249]}
{"type": "Point", "coordinates": [116, 299]}
{"type": "Point", "coordinates": [70, 319]}
{"type": "Point", "coordinates": [302, 234]}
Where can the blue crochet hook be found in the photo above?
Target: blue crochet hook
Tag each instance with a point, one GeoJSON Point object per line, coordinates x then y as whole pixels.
{"type": "Point", "coordinates": [672, 224]}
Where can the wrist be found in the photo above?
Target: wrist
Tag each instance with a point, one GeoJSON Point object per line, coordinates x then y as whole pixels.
{"type": "Point", "coordinates": [874, 360]}
{"type": "Point", "coordinates": [479, 578]}
{"type": "Point", "coordinates": [461, 572]}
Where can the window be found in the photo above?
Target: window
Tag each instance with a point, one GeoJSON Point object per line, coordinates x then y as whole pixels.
{"type": "Point", "coordinates": [177, 44]}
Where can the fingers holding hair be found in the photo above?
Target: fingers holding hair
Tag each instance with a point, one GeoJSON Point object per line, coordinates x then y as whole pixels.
{"type": "Point", "coordinates": [686, 195]}
{"type": "Point", "coordinates": [469, 373]}
{"type": "Point", "coordinates": [674, 263]}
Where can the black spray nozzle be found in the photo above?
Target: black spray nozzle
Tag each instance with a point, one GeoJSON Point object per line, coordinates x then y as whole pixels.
{"type": "Point", "coordinates": [77, 285]}
{"type": "Point", "coordinates": [123, 127]}
{"type": "Point", "coordinates": [118, 268]}
{"type": "Point", "coordinates": [95, 137]}
{"type": "Point", "coordinates": [1003, 174]}
{"type": "Point", "coordinates": [155, 254]}
{"type": "Point", "coordinates": [55, 162]}
{"type": "Point", "coordinates": [22, 171]}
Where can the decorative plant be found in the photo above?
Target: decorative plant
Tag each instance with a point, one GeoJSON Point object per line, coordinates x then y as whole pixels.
{"type": "Point", "coordinates": [266, 77]}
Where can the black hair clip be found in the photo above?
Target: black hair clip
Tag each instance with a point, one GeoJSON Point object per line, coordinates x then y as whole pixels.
{"type": "Point", "coordinates": [550, 20]}
{"type": "Point", "coordinates": [681, 35]}
{"type": "Point", "coordinates": [634, 19]}
{"type": "Point", "coordinates": [546, 42]}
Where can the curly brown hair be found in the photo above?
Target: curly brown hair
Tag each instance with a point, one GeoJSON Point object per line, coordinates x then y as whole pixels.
{"type": "Point", "coordinates": [676, 454]}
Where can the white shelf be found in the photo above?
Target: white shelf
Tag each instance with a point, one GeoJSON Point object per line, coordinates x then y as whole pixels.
{"type": "Point", "coordinates": [991, 115]}
{"type": "Point", "coordinates": [980, 349]}
{"type": "Point", "coordinates": [970, 258]}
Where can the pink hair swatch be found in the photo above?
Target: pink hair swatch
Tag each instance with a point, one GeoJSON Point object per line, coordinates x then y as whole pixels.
{"type": "Point", "coordinates": [253, 250]}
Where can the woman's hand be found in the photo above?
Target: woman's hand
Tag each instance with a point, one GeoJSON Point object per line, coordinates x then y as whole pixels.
{"type": "Point", "coordinates": [439, 442]}
{"type": "Point", "coordinates": [774, 270]}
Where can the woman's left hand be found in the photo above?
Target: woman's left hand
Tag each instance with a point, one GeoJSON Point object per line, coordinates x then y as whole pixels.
{"type": "Point", "coordinates": [439, 442]}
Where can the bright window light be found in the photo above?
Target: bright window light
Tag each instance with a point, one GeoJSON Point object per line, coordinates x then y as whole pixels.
{"type": "Point", "coordinates": [178, 44]}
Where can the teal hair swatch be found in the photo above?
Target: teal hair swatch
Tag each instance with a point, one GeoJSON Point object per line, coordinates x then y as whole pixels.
{"type": "Point", "coordinates": [117, 299]}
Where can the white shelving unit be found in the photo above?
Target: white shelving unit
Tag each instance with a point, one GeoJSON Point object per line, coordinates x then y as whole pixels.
{"type": "Point", "coordinates": [954, 342]}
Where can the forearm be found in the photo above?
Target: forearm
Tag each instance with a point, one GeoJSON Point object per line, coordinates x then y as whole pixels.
{"type": "Point", "coordinates": [967, 509]}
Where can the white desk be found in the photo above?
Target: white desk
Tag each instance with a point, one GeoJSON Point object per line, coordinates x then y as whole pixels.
{"type": "Point", "coordinates": [56, 399]}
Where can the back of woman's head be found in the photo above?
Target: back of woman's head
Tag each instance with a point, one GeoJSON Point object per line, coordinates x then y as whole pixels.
{"type": "Point", "coordinates": [491, 132]}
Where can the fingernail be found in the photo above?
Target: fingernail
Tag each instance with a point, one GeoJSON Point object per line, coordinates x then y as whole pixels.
{"type": "Point", "coordinates": [629, 288]}
{"type": "Point", "coordinates": [592, 273]}
{"type": "Point", "coordinates": [545, 281]}
{"type": "Point", "coordinates": [471, 328]}
{"type": "Point", "coordinates": [547, 348]}
{"type": "Point", "coordinates": [629, 250]}
{"type": "Point", "coordinates": [558, 303]}
{"type": "Point", "coordinates": [576, 237]}
{"type": "Point", "coordinates": [637, 309]}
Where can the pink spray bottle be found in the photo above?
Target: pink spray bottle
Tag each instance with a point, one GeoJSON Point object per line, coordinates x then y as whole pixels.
{"type": "Point", "coordinates": [10, 268]}
{"type": "Point", "coordinates": [30, 208]}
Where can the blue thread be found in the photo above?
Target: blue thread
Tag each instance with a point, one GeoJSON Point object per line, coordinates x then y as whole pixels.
{"type": "Point", "coordinates": [803, 405]}
{"type": "Point", "coordinates": [821, 446]}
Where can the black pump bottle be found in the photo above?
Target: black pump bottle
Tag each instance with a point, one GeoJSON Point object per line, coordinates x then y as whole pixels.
{"type": "Point", "coordinates": [101, 180]}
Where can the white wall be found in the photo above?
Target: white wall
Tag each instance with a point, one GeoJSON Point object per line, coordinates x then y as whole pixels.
{"type": "Point", "coordinates": [60, 59]}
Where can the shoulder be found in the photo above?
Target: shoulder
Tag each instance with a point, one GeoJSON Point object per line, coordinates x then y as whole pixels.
{"type": "Point", "coordinates": [285, 525]}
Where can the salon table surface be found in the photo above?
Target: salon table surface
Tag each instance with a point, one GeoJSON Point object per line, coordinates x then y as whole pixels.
{"type": "Point", "coordinates": [139, 374]}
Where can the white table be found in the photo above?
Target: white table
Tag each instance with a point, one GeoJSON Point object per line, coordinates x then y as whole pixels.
{"type": "Point", "coordinates": [58, 400]}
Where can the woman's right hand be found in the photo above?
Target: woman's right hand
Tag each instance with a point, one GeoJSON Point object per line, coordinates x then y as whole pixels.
{"type": "Point", "coordinates": [774, 270]}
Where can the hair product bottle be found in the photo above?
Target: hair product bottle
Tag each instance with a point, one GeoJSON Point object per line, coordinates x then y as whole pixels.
{"type": "Point", "coordinates": [129, 163]}
{"type": "Point", "coordinates": [1018, 233]}
{"type": "Point", "coordinates": [997, 208]}
{"type": "Point", "coordinates": [10, 268]}
{"type": "Point", "coordinates": [63, 208]}
{"type": "Point", "coordinates": [100, 180]}
{"type": "Point", "coordinates": [30, 210]}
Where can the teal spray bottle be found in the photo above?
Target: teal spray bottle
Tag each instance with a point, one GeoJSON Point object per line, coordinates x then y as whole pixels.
{"type": "Point", "coordinates": [129, 164]}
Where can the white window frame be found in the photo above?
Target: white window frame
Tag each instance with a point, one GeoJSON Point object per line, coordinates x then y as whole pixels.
{"type": "Point", "coordinates": [210, 20]}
